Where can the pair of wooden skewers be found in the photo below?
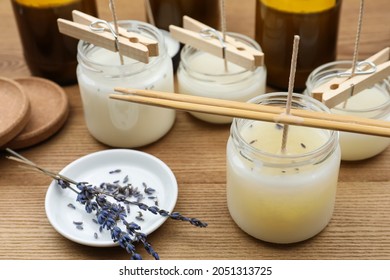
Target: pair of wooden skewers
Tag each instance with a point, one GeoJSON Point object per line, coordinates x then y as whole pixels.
{"type": "Point", "coordinates": [254, 111]}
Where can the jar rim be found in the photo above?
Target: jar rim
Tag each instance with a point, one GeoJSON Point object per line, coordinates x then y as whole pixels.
{"type": "Point", "coordinates": [84, 47]}
{"type": "Point", "coordinates": [278, 160]}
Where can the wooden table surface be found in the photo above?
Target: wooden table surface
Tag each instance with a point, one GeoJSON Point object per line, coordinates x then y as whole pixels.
{"type": "Point", "coordinates": [195, 151]}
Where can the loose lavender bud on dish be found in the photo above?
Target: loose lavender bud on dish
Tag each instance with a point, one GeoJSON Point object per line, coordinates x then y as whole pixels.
{"type": "Point", "coordinates": [70, 205]}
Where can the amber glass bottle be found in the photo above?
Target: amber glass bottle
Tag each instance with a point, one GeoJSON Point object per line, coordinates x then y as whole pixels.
{"type": "Point", "coordinates": [166, 12]}
{"type": "Point", "coordinates": [48, 53]}
{"type": "Point", "coordinates": [316, 22]}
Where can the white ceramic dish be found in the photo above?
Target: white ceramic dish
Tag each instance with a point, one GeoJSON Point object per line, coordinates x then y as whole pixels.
{"type": "Point", "coordinates": [95, 169]}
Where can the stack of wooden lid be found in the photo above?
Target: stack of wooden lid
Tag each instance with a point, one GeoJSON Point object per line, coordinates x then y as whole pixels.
{"type": "Point", "coordinates": [31, 110]}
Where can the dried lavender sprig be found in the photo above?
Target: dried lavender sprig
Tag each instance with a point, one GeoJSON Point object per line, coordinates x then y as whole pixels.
{"type": "Point", "coordinates": [174, 215]}
{"type": "Point", "coordinates": [87, 193]}
{"type": "Point", "coordinates": [19, 158]}
{"type": "Point", "coordinates": [108, 215]}
{"type": "Point", "coordinates": [153, 209]}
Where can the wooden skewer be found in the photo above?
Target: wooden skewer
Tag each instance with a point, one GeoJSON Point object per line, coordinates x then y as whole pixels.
{"type": "Point", "coordinates": [254, 111]}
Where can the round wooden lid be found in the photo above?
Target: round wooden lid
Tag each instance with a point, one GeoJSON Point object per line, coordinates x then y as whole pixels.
{"type": "Point", "coordinates": [14, 110]}
{"type": "Point", "coordinates": [49, 111]}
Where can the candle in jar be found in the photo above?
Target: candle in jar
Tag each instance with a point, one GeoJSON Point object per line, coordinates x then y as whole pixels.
{"type": "Point", "coordinates": [281, 198]}
{"type": "Point", "coordinates": [117, 123]}
{"type": "Point", "coordinates": [373, 103]}
{"type": "Point", "coordinates": [203, 74]}
{"type": "Point", "coordinates": [356, 146]}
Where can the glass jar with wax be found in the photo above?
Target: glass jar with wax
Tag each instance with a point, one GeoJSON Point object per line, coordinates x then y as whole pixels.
{"type": "Point", "coordinates": [203, 74]}
{"type": "Point", "coordinates": [278, 21]}
{"type": "Point", "coordinates": [371, 103]}
{"type": "Point", "coordinates": [47, 52]}
{"type": "Point", "coordinates": [117, 123]}
{"type": "Point", "coordinates": [282, 196]}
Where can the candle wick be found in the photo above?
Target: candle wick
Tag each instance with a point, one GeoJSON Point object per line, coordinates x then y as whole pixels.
{"type": "Point", "coordinates": [223, 29]}
{"type": "Point", "coordinates": [356, 48]}
{"type": "Point", "coordinates": [113, 12]}
{"type": "Point", "coordinates": [294, 59]}
{"type": "Point", "coordinates": [149, 13]}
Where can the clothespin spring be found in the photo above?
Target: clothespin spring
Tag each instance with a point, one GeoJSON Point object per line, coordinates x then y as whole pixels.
{"type": "Point", "coordinates": [360, 69]}
{"type": "Point", "coordinates": [96, 27]}
{"type": "Point", "coordinates": [212, 33]}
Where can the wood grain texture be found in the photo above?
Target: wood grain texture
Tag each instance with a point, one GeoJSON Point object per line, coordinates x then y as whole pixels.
{"type": "Point", "coordinates": [195, 151]}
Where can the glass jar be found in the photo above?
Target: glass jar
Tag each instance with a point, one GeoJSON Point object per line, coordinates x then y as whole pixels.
{"type": "Point", "coordinates": [47, 52]}
{"type": "Point", "coordinates": [371, 103]}
{"type": "Point", "coordinates": [282, 197]}
{"type": "Point", "coordinates": [278, 21]}
{"type": "Point", "coordinates": [117, 123]}
{"type": "Point", "coordinates": [203, 74]}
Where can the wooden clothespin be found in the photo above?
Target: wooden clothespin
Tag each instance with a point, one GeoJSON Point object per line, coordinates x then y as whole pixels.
{"type": "Point", "coordinates": [207, 39]}
{"type": "Point", "coordinates": [101, 33]}
{"type": "Point", "coordinates": [368, 72]}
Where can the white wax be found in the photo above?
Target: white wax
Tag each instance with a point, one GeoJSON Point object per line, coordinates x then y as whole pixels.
{"type": "Point", "coordinates": [172, 45]}
{"type": "Point", "coordinates": [356, 146]}
{"type": "Point", "coordinates": [281, 205]}
{"type": "Point", "coordinates": [118, 123]}
{"type": "Point", "coordinates": [234, 84]}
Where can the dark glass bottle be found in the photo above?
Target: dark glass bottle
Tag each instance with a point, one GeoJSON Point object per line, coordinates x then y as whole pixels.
{"type": "Point", "coordinates": [316, 22]}
{"type": "Point", "coordinates": [47, 52]}
{"type": "Point", "coordinates": [167, 12]}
